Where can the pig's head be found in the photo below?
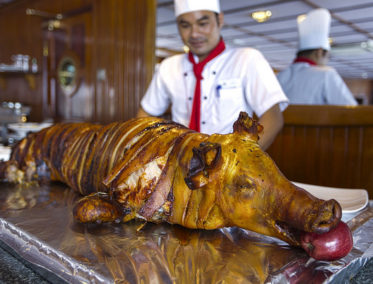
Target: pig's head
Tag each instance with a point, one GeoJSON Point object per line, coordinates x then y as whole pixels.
{"type": "Point", "coordinates": [251, 191]}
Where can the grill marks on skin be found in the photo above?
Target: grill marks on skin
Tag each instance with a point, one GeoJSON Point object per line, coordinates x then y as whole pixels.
{"type": "Point", "coordinates": [23, 149]}
{"type": "Point", "coordinates": [59, 143]}
{"type": "Point", "coordinates": [142, 151]}
{"type": "Point", "coordinates": [98, 161]}
{"type": "Point", "coordinates": [90, 140]}
{"type": "Point", "coordinates": [163, 187]}
{"type": "Point", "coordinates": [129, 137]}
{"type": "Point", "coordinates": [140, 178]}
{"type": "Point", "coordinates": [117, 144]}
{"type": "Point", "coordinates": [75, 156]}
{"type": "Point", "coordinates": [145, 162]}
{"type": "Point", "coordinates": [82, 155]}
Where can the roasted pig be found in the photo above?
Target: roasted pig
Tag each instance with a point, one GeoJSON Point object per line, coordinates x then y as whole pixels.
{"type": "Point", "coordinates": [161, 171]}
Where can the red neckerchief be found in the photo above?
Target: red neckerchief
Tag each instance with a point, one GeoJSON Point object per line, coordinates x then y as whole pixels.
{"type": "Point", "coordinates": [195, 117]}
{"type": "Point", "coordinates": [304, 59]}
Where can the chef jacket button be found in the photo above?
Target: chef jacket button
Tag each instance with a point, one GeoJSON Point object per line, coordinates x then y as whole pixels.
{"type": "Point", "coordinates": [213, 73]}
{"type": "Point", "coordinates": [205, 98]}
{"type": "Point", "coordinates": [190, 98]}
{"type": "Point", "coordinates": [185, 74]}
{"type": "Point", "coordinates": [203, 122]}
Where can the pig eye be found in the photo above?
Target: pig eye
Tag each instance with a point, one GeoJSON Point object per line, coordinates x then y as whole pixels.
{"type": "Point", "coordinates": [244, 187]}
{"type": "Point", "coordinates": [243, 182]}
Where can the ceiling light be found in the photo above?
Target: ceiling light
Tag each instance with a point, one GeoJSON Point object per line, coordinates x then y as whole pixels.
{"type": "Point", "coordinates": [352, 49]}
{"type": "Point", "coordinates": [261, 16]}
{"type": "Point", "coordinates": [367, 45]}
{"type": "Point", "coordinates": [301, 18]}
{"type": "Point", "coordinates": [240, 41]}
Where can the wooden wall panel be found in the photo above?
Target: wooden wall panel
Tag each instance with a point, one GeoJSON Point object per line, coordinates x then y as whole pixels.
{"type": "Point", "coordinates": [327, 145]}
{"type": "Point", "coordinates": [121, 58]}
{"type": "Point", "coordinates": [367, 159]}
{"type": "Point", "coordinates": [19, 35]}
{"type": "Point", "coordinates": [124, 67]}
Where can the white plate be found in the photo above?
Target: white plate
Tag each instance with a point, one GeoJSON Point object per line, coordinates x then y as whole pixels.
{"type": "Point", "coordinates": [23, 128]}
{"type": "Point", "coordinates": [4, 153]}
{"type": "Point", "coordinates": [351, 200]}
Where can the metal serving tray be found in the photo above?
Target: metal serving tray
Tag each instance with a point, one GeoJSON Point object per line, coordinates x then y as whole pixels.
{"type": "Point", "coordinates": [36, 222]}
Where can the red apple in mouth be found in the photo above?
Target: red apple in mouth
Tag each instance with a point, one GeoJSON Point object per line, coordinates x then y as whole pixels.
{"type": "Point", "coordinates": [332, 245]}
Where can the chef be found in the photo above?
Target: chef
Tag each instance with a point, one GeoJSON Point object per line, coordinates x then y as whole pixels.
{"type": "Point", "coordinates": [308, 80]}
{"type": "Point", "coordinates": [210, 85]}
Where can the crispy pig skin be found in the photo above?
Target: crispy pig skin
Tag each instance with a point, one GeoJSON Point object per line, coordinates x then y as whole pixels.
{"type": "Point", "coordinates": [161, 171]}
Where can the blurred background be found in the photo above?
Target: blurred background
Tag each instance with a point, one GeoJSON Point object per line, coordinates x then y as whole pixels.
{"type": "Point", "coordinates": [270, 26]}
{"type": "Point", "coordinates": [92, 60]}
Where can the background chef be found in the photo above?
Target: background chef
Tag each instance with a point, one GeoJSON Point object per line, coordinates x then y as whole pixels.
{"type": "Point", "coordinates": [308, 80]}
{"type": "Point", "coordinates": [209, 86]}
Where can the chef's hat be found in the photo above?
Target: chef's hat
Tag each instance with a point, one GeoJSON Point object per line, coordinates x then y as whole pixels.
{"type": "Point", "coordinates": [313, 30]}
{"type": "Point", "coordinates": [186, 6]}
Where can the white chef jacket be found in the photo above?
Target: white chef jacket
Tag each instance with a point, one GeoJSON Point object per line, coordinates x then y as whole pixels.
{"type": "Point", "coordinates": [304, 83]}
{"type": "Point", "coordinates": [236, 80]}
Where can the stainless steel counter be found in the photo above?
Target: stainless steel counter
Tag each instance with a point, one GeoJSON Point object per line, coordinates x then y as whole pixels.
{"type": "Point", "coordinates": [36, 223]}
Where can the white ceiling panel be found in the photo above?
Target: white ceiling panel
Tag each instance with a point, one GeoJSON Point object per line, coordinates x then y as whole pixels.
{"type": "Point", "coordinates": [238, 4]}
{"type": "Point", "coordinates": [368, 26]}
{"type": "Point", "coordinates": [355, 15]}
{"type": "Point", "coordinates": [332, 4]}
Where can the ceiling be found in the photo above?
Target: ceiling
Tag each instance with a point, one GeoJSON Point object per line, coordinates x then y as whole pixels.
{"type": "Point", "coordinates": [351, 31]}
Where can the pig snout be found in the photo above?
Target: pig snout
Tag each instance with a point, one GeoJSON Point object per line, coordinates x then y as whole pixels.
{"type": "Point", "coordinates": [314, 216]}
{"type": "Point", "coordinates": [328, 216]}
{"type": "Point", "coordinates": [310, 214]}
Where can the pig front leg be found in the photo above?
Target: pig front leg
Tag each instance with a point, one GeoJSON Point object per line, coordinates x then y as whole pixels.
{"type": "Point", "coordinates": [98, 207]}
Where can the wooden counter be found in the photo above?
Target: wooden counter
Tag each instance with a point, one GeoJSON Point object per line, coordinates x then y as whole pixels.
{"type": "Point", "coordinates": [327, 145]}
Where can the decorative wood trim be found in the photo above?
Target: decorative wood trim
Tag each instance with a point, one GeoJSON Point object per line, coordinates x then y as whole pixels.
{"type": "Point", "coordinates": [328, 115]}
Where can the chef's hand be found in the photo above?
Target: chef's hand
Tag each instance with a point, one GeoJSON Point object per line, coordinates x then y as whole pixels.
{"type": "Point", "coordinates": [272, 122]}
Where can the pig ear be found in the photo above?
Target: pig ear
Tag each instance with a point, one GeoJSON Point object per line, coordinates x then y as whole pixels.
{"type": "Point", "coordinates": [204, 159]}
{"type": "Point", "coordinates": [245, 124]}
